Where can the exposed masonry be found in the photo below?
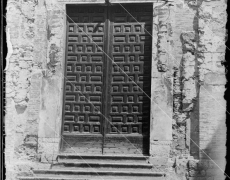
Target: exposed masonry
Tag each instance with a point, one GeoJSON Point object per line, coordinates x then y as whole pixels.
{"type": "Point", "coordinates": [35, 31]}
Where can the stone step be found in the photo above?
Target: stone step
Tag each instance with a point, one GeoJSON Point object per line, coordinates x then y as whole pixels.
{"type": "Point", "coordinates": [107, 178]}
{"type": "Point", "coordinates": [105, 166]}
{"type": "Point", "coordinates": [70, 158]}
{"type": "Point", "coordinates": [60, 173]}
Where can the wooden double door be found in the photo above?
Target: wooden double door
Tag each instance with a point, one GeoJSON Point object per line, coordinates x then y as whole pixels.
{"type": "Point", "coordinates": [108, 66]}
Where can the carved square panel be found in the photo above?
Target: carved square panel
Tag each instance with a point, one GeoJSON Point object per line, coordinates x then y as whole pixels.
{"type": "Point", "coordinates": [116, 68]}
{"type": "Point", "coordinates": [79, 48]}
{"type": "Point", "coordinates": [132, 38]}
{"type": "Point", "coordinates": [127, 28]}
{"type": "Point", "coordinates": [137, 28]}
{"type": "Point", "coordinates": [99, 48]}
{"type": "Point", "coordinates": [114, 129]}
{"type": "Point", "coordinates": [135, 88]}
{"type": "Point", "coordinates": [131, 78]}
{"type": "Point", "coordinates": [127, 48]}
{"type": "Point", "coordinates": [135, 129]}
{"type": "Point", "coordinates": [131, 58]}
{"type": "Point", "coordinates": [140, 98]}
{"type": "Point", "coordinates": [98, 89]}
{"type": "Point", "coordinates": [126, 68]}
{"type": "Point", "coordinates": [66, 128]}
{"type": "Point", "coordinates": [83, 79]}
{"type": "Point", "coordinates": [84, 58]}
{"type": "Point", "coordinates": [90, 29]}
{"type": "Point", "coordinates": [125, 88]}
{"type": "Point", "coordinates": [125, 109]}
{"type": "Point", "coordinates": [78, 88]}
{"type": "Point", "coordinates": [80, 28]}
{"type": "Point", "coordinates": [69, 68]}
{"type": "Point", "coordinates": [82, 98]}
{"type": "Point", "coordinates": [68, 88]}
{"type": "Point", "coordinates": [117, 29]}
{"type": "Point", "coordinates": [87, 108]}
{"type": "Point", "coordinates": [70, 48]}
{"type": "Point", "coordinates": [88, 88]}
{"type": "Point", "coordinates": [130, 119]}
{"type": "Point", "coordinates": [98, 68]}
{"type": "Point", "coordinates": [130, 98]}
{"type": "Point", "coordinates": [100, 29]}
{"type": "Point", "coordinates": [116, 48]}
{"type": "Point", "coordinates": [76, 128]}
{"type": "Point", "coordinates": [89, 49]}
{"type": "Point", "coordinates": [77, 108]}
{"type": "Point", "coordinates": [135, 109]}
{"type": "Point", "coordinates": [97, 109]}
{"type": "Point", "coordinates": [114, 109]}
{"type": "Point", "coordinates": [86, 128]}
{"type": "Point", "coordinates": [115, 88]}
{"type": "Point", "coordinates": [88, 68]}
{"type": "Point", "coordinates": [78, 68]}
{"type": "Point", "coordinates": [71, 28]}
{"type": "Point", "coordinates": [67, 107]}
{"type": "Point", "coordinates": [81, 118]}
{"type": "Point", "coordinates": [124, 129]}
{"type": "Point", "coordinates": [96, 129]}
{"type": "Point", "coordinates": [84, 39]}
{"type": "Point", "coordinates": [137, 48]}
{"type": "Point", "coordinates": [136, 68]}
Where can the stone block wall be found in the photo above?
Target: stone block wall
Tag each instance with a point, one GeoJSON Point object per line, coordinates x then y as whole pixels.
{"type": "Point", "coordinates": [188, 53]}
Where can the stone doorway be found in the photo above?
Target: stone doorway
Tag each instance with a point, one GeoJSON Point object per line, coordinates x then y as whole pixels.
{"type": "Point", "coordinates": [108, 84]}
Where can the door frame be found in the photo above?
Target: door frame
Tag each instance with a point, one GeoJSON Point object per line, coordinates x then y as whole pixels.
{"type": "Point", "coordinates": [141, 138]}
{"type": "Point", "coordinates": [161, 83]}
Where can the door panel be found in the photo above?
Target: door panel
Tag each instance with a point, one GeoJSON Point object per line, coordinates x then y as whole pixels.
{"type": "Point", "coordinates": [129, 107]}
{"type": "Point", "coordinates": [83, 124]}
{"type": "Point", "coordinates": [112, 84]}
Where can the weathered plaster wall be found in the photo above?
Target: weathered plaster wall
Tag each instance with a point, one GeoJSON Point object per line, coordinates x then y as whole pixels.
{"type": "Point", "coordinates": [36, 34]}
{"type": "Point", "coordinates": [187, 96]}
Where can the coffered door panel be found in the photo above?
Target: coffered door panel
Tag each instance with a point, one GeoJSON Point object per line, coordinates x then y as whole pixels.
{"type": "Point", "coordinates": [83, 122]}
{"type": "Point", "coordinates": [129, 75]}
